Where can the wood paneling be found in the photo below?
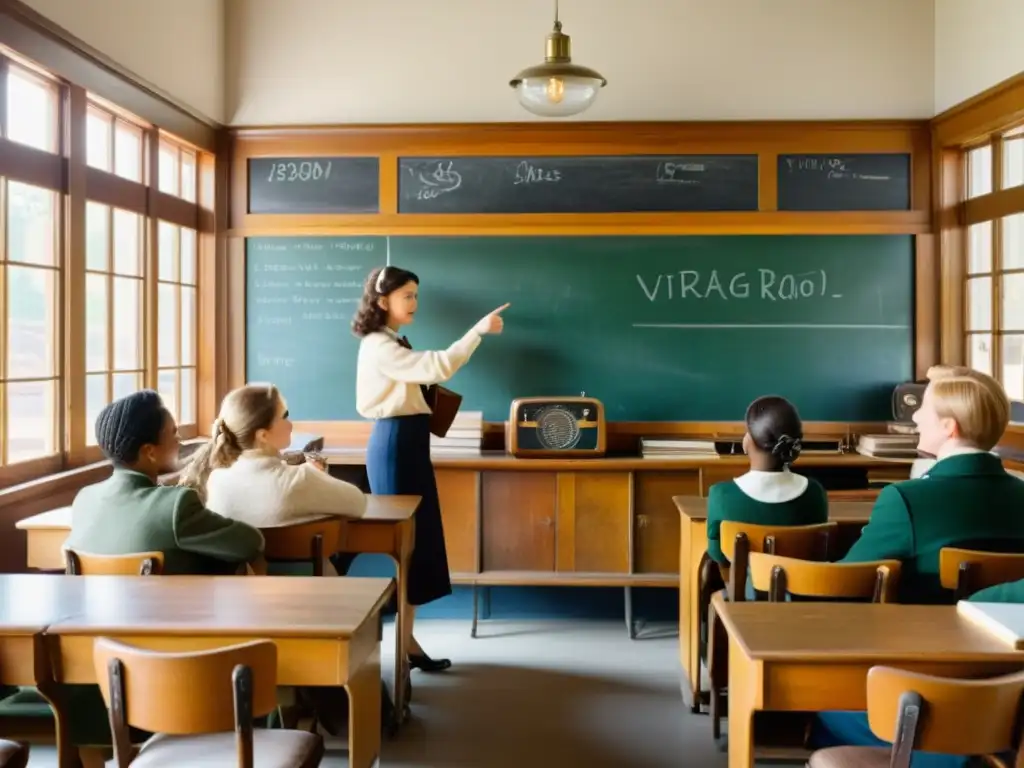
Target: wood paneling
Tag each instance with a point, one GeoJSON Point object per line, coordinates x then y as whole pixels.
{"type": "Point", "coordinates": [518, 519]}
{"type": "Point", "coordinates": [766, 139]}
{"type": "Point", "coordinates": [460, 512]}
{"type": "Point", "coordinates": [657, 519]}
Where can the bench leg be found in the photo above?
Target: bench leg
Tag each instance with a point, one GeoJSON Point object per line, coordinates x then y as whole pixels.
{"type": "Point", "coordinates": [630, 626]}
{"type": "Point", "coordinates": [476, 610]}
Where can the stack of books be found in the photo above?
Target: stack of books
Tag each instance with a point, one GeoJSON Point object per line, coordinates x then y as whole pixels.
{"type": "Point", "coordinates": [465, 435]}
{"type": "Point", "coordinates": [888, 446]}
{"type": "Point", "coordinates": [663, 448]}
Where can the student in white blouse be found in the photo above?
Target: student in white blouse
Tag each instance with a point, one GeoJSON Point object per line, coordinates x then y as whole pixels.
{"type": "Point", "coordinates": [390, 383]}
{"type": "Point", "coordinates": [242, 475]}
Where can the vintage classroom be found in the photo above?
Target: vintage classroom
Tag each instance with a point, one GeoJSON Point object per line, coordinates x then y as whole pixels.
{"type": "Point", "coordinates": [139, 220]}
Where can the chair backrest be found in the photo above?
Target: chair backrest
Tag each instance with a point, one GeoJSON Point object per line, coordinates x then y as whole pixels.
{"type": "Point", "coordinates": [308, 542]}
{"type": "Point", "coordinates": [966, 570]}
{"type": "Point", "coordinates": [135, 564]}
{"type": "Point", "coordinates": [187, 692]}
{"type": "Point", "coordinates": [806, 542]}
{"type": "Point", "coordinates": [946, 715]}
{"type": "Point", "coordinates": [781, 576]}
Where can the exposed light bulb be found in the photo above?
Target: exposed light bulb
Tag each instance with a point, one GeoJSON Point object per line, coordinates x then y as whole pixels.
{"type": "Point", "coordinates": [555, 90]}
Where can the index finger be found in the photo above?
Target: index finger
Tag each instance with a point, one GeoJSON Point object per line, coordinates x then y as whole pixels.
{"type": "Point", "coordinates": [502, 308]}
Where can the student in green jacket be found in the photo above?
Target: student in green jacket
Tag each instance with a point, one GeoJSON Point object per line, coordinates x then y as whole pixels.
{"type": "Point", "coordinates": [966, 497]}
{"type": "Point", "coordinates": [130, 512]}
{"type": "Point", "coordinates": [769, 494]}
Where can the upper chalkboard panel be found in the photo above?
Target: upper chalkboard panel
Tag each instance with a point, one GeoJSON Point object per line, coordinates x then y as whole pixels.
{"type": "Point", "coordinates": [595, 184]}
{"type": "Point", "coordinates": [314, 185]}
{"type": "Point", "coordinates": [878, 182]}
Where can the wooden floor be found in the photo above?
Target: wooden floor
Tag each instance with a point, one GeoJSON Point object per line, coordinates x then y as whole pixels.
{"type": "Point", "coordinates": [544, 695]}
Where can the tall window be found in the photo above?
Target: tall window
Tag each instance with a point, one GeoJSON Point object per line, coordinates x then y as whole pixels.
{"type": "Point", "coordinates": [113, 308]}
{"type": "Point", "coordinates": [99, 264]}
{"type": "Point", "coordinates": [30, 268]}
{"type": "Point", "coordinates": [176, 337]}
{"type": "Point", "coordinates": [994, 321]}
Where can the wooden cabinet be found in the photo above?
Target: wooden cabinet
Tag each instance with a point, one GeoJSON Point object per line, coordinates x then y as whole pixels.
{"type": "Point", "coordinates": [606, 522]}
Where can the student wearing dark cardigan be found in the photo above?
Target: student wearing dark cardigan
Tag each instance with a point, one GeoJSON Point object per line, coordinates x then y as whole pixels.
{"type": "Point", "coordinates": [769, 494]}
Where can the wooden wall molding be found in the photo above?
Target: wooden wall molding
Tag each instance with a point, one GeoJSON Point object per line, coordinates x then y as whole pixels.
{"type": "Point", "coordinates": [991, 111]}
{"type": "Point", "coordinates": [27, 33]}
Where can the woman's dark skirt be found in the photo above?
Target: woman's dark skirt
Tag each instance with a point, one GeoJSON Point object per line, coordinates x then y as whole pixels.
{"type": "Point", "coordinates": [398, 462]}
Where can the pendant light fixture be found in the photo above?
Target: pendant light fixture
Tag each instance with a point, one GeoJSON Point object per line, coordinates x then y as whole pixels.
{"type": "Point", "coordinates": [557, 88]}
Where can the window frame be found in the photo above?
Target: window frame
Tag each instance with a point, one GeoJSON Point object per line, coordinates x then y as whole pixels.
{"type": "Point", "coordinates": [67, 173]}
{"type": "Point", "coordinates": [993, 207]}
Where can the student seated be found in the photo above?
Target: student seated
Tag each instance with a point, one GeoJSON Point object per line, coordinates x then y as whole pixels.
{"type": "Point", "coordinates": [965, 497]}
{"type": "Point", "coordinates": [769, 494]}
{"type": "Point", "coordinates": [243, 476]}
{"type": "Point", "coordinates": [130, 512]}
{"type": "Point", "coordinates": [851, 729]}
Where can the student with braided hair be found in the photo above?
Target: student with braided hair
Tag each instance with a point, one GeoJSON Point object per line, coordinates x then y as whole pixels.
{"type": "Point", "coordinates": [769, 494]}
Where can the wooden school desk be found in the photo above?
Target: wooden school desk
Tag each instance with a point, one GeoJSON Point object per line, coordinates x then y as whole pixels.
{"type": "Point", "coordinates": [387, 528]}
{"type": "Point", "coordinates": [327, 631]}
{"type": "Point", "coordinates": [810, 657]}
{"type": "Point", "coordinates": [693, 543]}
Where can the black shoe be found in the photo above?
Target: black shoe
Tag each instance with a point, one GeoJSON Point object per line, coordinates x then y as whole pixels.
{"type": "Point", "coordinates": [427, 664]}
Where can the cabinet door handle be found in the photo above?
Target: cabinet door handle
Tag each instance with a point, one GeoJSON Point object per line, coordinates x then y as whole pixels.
{"type": "Point", "coordinates": [547, 521]}
{"type": "Point", "coordinates": [641, 521]}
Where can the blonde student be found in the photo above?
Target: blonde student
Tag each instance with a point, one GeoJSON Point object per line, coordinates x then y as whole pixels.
{"type": "Point", "coordinates": [243, 475]}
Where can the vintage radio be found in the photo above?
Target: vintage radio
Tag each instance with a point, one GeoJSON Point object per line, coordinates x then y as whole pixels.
{"type": "Point", "coordinates": [906, 399]}
{"type": "Point", "coordinates": [555, 427]}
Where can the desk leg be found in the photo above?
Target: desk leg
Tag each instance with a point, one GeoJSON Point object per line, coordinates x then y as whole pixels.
{"type": "Point", "coordinates": [745, 696]}
{"type": "Point", "coordinates": [67, 754]}
{"type": "Point", "coordinates": [364, 713]}
{"type": "Point", "coordinates": [405, 541]}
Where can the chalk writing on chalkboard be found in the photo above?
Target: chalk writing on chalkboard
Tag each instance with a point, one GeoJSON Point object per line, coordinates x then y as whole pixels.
{"type": "Point", "coordinates": [863, 182]}
{"type": "Point", "coordinates": [578, 184]}
{"type": "Point", "coordinates": [762, 285]}
{"type": "Point", "coordinates": [832, 168]}
{"type": "Point", "coordinates": [314, 184]}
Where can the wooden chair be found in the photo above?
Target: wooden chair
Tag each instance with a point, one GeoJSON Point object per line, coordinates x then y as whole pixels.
{"type": "Point", "coordinates": [13, 754]}
{"type": "Point", "coordinates": [809, 542]}
{"type": "Point", "coordinates": [200, 705]}
{"type": "Point", "coordinates": [781, 577]}
{"type": "Point", "coordinates": [310, 542]}
{"type": "Point", "coordinates": [136, 564]}
{"type": "Point", "coordinates": [965, 571]}
{"type": "Point", "coordinates": [933, 714]}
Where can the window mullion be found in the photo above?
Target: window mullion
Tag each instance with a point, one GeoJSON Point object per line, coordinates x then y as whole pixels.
{"type": "Point", "coordinates": [997, 266]}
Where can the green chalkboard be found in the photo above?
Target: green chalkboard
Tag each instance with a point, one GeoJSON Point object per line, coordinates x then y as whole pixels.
{"type": "Point", "coordinates": [300, 295]}
{"type": "Point", "coordinates": [658, 328]}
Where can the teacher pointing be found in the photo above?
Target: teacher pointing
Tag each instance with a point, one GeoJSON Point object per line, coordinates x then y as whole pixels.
{"type": "Point", "coordinates": [390, 378]}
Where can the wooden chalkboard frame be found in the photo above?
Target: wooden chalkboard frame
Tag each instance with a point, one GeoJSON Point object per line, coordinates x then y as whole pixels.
{"type": "Point", "coordinates": [767, 139]}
